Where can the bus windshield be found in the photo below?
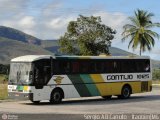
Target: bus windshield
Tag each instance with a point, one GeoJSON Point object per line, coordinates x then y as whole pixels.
{"type": "Point", "coordinates": [20, 73]}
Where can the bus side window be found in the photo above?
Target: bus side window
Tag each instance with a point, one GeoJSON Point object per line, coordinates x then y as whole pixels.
{"type": "Point", "coordinates": [84, 67]}
{"type": "Point", "coordinates": [117, 66]}
{"type": "Point", "coordinates": [75, 67]}
{"type": "Point", "coordinates": [146, 66]}
{"type": "Point", "coordinates": [109, 66]}
{"type": "Point", "coordinates": [65, 67]}
{"type": "Point", "coordinates": [132, 66]}
{"type": "Point", "coordinates": [93, 67]}
{"type": "Point", "coordinates": [36, 74]}
{"type": "Point", "coordinates": [129, 66]}
{"type": "Point", "coordinates": [123, 66]}
{"type": "Point", "coordinates": [56, 67]}
{"type": "Point", "coordinates": [100, 67]}
{"type": "Point", "coordinates": [140, 66]}
{"type": "Point", "coordinates": [39, 74]}
{"type": "Point", "coordinates": [47, 74]}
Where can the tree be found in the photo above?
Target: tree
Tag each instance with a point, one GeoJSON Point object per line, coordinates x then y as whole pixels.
{"type": "Point", "coordinates": [156, 74]}
{"type": "Point", "coordinates": [4, 69]}
{"type": "Point", "coordinates": [86, 36]}
{"type": "Point", "coordinates": [140, 31]}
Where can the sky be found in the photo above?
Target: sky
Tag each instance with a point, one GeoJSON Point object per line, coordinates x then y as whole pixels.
{"type": "Point", "coordinates": [48, 19]}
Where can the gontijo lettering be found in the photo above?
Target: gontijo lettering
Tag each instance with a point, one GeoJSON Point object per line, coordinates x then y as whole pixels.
{"type": "Point", "coordinates": [119, 77]}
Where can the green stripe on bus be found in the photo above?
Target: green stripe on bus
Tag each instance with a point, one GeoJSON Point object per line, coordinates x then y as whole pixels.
{"type": "Point", "coordinates": [19, 87]}
{"type": "Point", "coordinates": [79, 85]}
{"type": "Point", "coordinates": [91, 86]}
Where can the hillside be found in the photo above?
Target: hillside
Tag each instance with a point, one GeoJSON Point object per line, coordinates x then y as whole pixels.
{"type": "Point", "coordinates": [49, 43]}
{"type": "Point", "coordinates": [52, 45]}
{"type": "Point", "coordinates": [118, 52]}
{"type": "Point", "coordinates": [155, 64]}
{"type": "Point", "coordinates": [12, 48]}
{"type": "Point", "coordinates": [15, 43]}
{"type": "Point", "coordinates": [15, 34]}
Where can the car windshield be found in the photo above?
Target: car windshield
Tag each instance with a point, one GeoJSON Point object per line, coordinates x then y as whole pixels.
{"type": "Point", "coordinates": [20, 73]}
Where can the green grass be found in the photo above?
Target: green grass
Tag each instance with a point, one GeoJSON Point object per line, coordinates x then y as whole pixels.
{"type": "Point", "coordinates": [3, 88]}
{"type": "Point", "coordinates": [3, 91]}
{"type": "Point", "coordinates": [2, 77]}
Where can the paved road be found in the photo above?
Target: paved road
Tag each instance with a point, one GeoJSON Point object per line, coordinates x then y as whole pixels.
{"type": "Point", "coordinates": [138, 103]}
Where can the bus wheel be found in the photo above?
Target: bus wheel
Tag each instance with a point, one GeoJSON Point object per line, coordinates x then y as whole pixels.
{"type": "Point", "coordinates": [56, 97]}
{"type": "Point", "coordinates": [107, 97]}
{"type": "Point", "coordinates": [125, 93]}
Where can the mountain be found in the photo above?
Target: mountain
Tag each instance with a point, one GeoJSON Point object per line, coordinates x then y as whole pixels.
{"type": "Point", "coordinates": [14, 34]}
{"type": "Point", "coordinates": [10, 48]}
{"type": "Point", "coordinates": [15, 43]}
{"type": "Point", "coordinates": [49, 43]}
{"type": "Point", "coordinates": [52, 46]}
{"type": "Point", "coordinates": [119, 52]}
{"type": "Point", "coordinates": [155, 64]}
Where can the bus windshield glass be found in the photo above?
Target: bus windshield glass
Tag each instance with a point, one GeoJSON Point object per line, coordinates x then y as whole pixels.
{"type": "Point", "coordinates": [20, 73]}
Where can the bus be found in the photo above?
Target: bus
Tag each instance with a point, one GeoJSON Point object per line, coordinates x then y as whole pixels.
{"type": "Point", "coordinates": [53, 78]}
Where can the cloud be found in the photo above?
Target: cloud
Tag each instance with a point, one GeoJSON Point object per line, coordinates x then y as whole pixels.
{"type": "Point", "coordinates": [115, 20]}
{"type": "Point", "coordinates": [50, 9]}
{"type": "Point", "coordinates": [14, 14]}
{"type": "Point", "coordinates": [55, 27]}
{"type": "Point", "coordinates": [13, 6]}
{"type": "Point", "coordinates": [21, 22]}
{"type": "Point", "coordinates": [57, 23]}
{"type": "Point", "coordinates": [50, 20]}
{"type": "Point", "coordinates": [27, 21]}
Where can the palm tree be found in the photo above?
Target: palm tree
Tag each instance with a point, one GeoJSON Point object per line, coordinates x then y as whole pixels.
{"type": "Point", "coordinates": [140, 31]}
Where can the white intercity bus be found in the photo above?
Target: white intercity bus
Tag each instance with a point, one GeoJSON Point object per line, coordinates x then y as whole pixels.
{"type": "Point", "coordinates": [53, 78]}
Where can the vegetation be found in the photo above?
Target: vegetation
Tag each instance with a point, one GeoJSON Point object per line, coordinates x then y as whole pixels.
{"type": "Point", "coordinates": [12, 48]}
{"type": "Point", "coordinates": [17, 35]}
{"type": "Point", "coordinates": [3, 81]}
{"type": "Point", "coordinates": [2, 78]}
{"type": "Point", "coordinates": [140, 31]}
{"type": "Point", "coordinates": [3, 91]}
{"type": "Point", "coordinates": [86, 36]}
{"type": "Point", "coordinates": [3, 87]}
{"type": "Point", "coordinates": [156, 74]}
{"type": "Point", "coordinates": [4, 69]}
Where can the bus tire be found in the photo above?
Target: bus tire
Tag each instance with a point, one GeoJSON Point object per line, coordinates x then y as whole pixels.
{"type": "Point", "coordinates": [126, 92]}
{"type": "Point", "coordinates": [107, 97]}
{"type": "Point", "coordinates": [56, 96]}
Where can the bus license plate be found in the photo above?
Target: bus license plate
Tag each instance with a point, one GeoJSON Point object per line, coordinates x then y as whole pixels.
{"type": "Point", "coordinates": [17, 95]}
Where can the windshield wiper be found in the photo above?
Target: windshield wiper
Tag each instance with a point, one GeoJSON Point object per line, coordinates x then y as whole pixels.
{"type": "Point", "coordinates": [11, 81]}
{"type": "Point", "coordinates": [20, 82]}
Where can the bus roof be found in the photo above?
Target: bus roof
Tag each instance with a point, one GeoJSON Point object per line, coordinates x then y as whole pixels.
{"type": "Point", "coordinates": [31, 58]}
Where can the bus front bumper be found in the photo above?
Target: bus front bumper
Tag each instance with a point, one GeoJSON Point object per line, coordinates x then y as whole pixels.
{"type": "Point", "coordinates": [20, 96]}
